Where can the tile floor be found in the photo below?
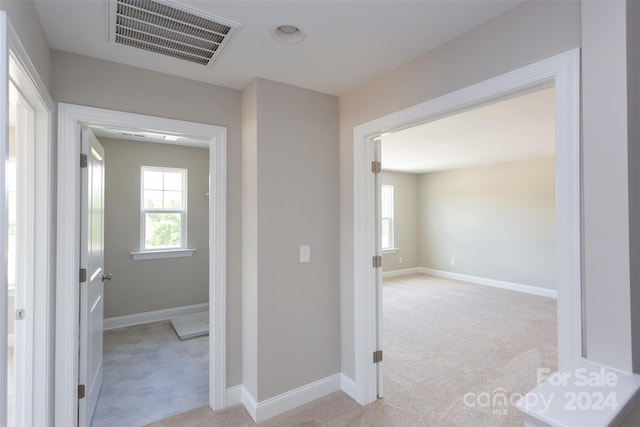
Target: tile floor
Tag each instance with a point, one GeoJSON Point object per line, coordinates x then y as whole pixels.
{"type": "Point", "coordinates": [150, 374]}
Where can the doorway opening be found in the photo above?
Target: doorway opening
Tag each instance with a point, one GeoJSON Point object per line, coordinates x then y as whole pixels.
{"type": "Point", "coordinates": [71, 119]}
{"type": "Point", "coordinates": [26, 353]}
{"type": "Point", "coordinates": [156, 257]}
{"type": "Point", "coordinates": [468, 242]}
{"type": "Point", "coordinates": [562, 72]}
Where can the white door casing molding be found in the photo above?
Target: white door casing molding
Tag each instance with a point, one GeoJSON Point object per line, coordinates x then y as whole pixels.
{"type": "Point", "coordinates": [17, 66]}
{"type": "Point", "coordinates": [70, 119]}
{"type": "Point", "coordinates": [564, 72]}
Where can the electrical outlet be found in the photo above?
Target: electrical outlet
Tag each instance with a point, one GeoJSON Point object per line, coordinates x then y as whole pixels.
{"type": "Point", "coordinates": [453, 261]}
{"type": "Point", "coordinates": [400, 260]}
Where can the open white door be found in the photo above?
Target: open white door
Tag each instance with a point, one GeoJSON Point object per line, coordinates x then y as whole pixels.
{"type": "Point", "coordinates": [92, 268]}
{"type": "Point", "coordinates": [378, 275]}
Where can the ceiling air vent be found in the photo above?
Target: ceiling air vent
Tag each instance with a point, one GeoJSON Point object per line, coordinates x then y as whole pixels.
{"type": "Point", "coordinates": [169, 29]}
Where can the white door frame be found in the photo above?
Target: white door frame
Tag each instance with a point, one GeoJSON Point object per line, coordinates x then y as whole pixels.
{"type": "Point", "coordinates": [70, 119]}
{"type": "Point", "coordinates": [26, 78]}
{"type": "Point", "coordinates": [562, 70]}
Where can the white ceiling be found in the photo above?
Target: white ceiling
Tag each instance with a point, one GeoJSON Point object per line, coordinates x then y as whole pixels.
{"type": "Point", "coordinates": [145, 136]}
{"type": "Point", "coordinates": [347, 42]}
{"type": "Point", "coordinates": [517, 128]}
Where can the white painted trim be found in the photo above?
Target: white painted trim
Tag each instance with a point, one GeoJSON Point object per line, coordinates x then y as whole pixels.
{"type": "Point", "coordinates": [564, 71]}
{"type": "Point", "coordinates": [167, 253]}
{"type": "Point", "coordinates": [4, 144]}
{"type": "Point", "coordinates": [70, 118]}
{"type": "Point", "coordinates": [152, 316]}
{"type": "Point", "coordinates": [234, 395]}
{"type": "Point", "coordinates": [249, 402]}
{"type": "Point", "coordinates": [517, 287]}
{"type": "Point", "coordinates": [398, 273]}
{"type": "Point", "coordinates": [541, 407]}
{"type": "Point", "coordinates": [291, 399]}
{"type": "Point", "coordinates": [348, 386]}
{"type": "Point", "coordinates": [34, 90]}
{"type": "Point", "coordinates": [218, 270]}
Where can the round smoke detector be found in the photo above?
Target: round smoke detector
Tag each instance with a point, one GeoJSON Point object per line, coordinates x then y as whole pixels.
{"type": "Point", "coordinates": [288, 34]}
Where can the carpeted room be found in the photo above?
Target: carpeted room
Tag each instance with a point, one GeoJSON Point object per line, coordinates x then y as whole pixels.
{"type": "Point", "coordinates": [472, 201]}
{"type": "Point", "coordinates": [456, 353]}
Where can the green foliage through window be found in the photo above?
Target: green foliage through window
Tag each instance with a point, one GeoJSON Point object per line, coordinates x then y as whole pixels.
{"type": "Point", "coordinates": [163, 207]}
{"type": "Point", "coordinates": [163, 230]}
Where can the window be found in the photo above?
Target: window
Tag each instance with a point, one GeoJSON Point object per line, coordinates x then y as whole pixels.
{"type": "Point", "coordinates": [386, 201]}
{"type": "Point", "coordinates": [163, 209]}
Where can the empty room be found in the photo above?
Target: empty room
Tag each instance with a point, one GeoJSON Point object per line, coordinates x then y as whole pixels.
{"type": "Point", "coordinates": [156, 344]}
{"type": "Point", "coordinates": [509, 273]}
{"type": "Point", "coordinates": [468, 241]}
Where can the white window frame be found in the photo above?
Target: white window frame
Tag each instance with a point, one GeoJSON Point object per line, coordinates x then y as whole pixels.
{"type": "Point", "coordinates": [169, 252]}
{"type": "Point", "coordinates": [391, 247]}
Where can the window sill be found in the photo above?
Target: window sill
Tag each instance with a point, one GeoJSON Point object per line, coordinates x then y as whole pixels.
{"type": "Point", "coordinates": [389, 251]}
{"type": "Point", "coordinates": [169, 253]}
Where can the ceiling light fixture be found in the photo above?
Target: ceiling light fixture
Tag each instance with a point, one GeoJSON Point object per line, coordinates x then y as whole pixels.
{"type": "Point", "coordinates": [288, 34]}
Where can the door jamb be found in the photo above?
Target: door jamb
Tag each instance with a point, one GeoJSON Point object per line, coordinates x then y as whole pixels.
{"type": "Point", "coordinates": [564, 71]}
{"type": "Point", "coordinates": [36, 91]}
{"type": "Point", "coordinates": [70, 119]}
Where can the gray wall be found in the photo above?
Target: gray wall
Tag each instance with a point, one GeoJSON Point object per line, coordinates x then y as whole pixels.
{"type": "Point", "coordinates": [529, 33]}
{"type": "Point", "coordinates": [24, 20]}
{"type": "Point", "coordinates": [88, 81]}
{"type": "Point", "coordinates": [497, 221]}
{"type": "Point", "coordinates": [292, 200]}
{"type": "Point", "coordinates": [405, 218]}
{"type": "Point", "coordinates": [250, 238]}
{"type": "Point", "coordinates": [633, 69]}
{"type": "Point", "coordinates": [606, 164]}
{"type": "Point", "coordinates": [154, 284]}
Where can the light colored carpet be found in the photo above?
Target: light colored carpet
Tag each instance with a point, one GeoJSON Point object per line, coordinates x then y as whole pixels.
{"type": "Point", "coordinates": [444, 340]}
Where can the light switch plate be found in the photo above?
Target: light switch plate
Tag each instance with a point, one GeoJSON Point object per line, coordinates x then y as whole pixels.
{"type": "Point", "coordinates": [305, 253]}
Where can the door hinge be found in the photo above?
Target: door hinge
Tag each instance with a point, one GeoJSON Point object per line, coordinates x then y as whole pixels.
{"type": "Point", "coordinates": [84, 161]}
{"type": "Point", "coordinates": [20, 314]}
{"type": "Point", "coordinates": [377, 356]}
{"type": "Point", "coordinates": [83, 275]}
{"type": "Point", "coordinates": [376, 167]}
{"type": "Point", "coordinates": [81, 391]}
{"type": "Point", "coordinates": [377, 261]}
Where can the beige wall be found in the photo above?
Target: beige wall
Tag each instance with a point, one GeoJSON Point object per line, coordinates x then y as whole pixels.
{"type": "Point", "coordinates": [24, 20]}
{"type": "Point", "coordinates": [155, 284]}
{"type": "Point", "coordinates": [497, 221]}
{"type": "Point", "coordinates": [250, 238]}
{"type": "Point", "coordinates": [88, 81]}
{"type": "Point", "coordinates": [293, 201]}
{"type": "Point", "coordinates": [633, 69]}
{"type": "Point", "coordinates": [405, 218]}
{"type": "Point", "coordinates": [605, 199]}
{"type": "Point", "coordinates": [529, 33]}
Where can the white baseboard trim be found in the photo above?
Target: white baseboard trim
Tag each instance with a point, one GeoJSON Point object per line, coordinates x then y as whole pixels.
{"type": "Point", "coordinates": [398, 273]}
{"type": "Point", "coordinates": [291, 399]}
{"type": "Point", "coordinates": [527, 289]}
{"type": "Point", "coordinates": [152, 316]}
{"type": "Point", "coordinates": [249, 402]}
{"type": "Point", "coordinates": [234, 395]}
{"type": "Point", "coordinates": [348, 386]}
